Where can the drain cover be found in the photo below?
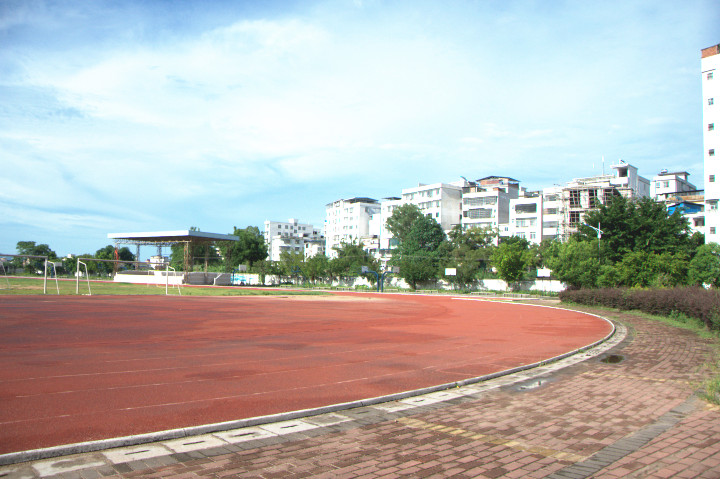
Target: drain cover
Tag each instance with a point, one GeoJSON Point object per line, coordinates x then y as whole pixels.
{"type": "Point", "coordinates": [612, 359]}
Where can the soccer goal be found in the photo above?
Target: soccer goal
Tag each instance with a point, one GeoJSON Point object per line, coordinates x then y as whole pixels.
{"type": "Point", "coordinates": [147, 277]}
{"type": "Point", "coordinates": [30, 257]}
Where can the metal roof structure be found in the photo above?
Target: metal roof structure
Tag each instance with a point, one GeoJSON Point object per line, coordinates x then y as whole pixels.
{"type": "Point", "coordinates": [169, 238]}
{"type": "Point", "coordinates": [189, 238]}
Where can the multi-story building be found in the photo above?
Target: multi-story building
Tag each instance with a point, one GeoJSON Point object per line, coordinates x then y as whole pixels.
{"type": "Point", "coordinates": [293, 237]}
{"type": "Point", "coordinates": [678, 194]}
{"type": "Point", "coordinates": [526, 216]}
{"type": "Point", "coordinates": [710, 67]}
{"type": "Point", "coordinates": [553, 213]}
{"type": "Point", "coordinates": [584, 194]}
{"type": "Point", "coordinates": [379, 226]}
{"type": "Point", "coordinates": [486, 203]}
{"type": "Point", "coordinates": [439, 201]}
{"type": "Point", "coordinates": [666, 185]}
{"type": "Point", "coordinates": [347, 221]}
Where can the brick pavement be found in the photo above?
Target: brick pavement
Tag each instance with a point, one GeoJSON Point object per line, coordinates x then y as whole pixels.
{"type": "Point", "coordinates": [635, 418]}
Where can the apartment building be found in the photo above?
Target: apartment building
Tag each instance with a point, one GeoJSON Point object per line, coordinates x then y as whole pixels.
{"type": "Point", "coordinates": [486, 203]}
{"type": "Point", "coordinates": [439, 201]}
{"type": "Point", "coordinates": [675, 190]}
{"type": "Point", "coordinates": [710, 68]}
{"type": "Point", "coordinates": [293, 237]}
{"type": "Point", "coordinates": [348, 220]}
{"type": "Point", "coordinates": [526, 216]}
{"type": "Point", "coordinates": [666, 185]}
{"type": "Point", "coordinates": [584, 194]}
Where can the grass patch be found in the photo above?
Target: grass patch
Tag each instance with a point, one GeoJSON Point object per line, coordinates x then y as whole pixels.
{"type": "Point", "coordinates": [34, 286]}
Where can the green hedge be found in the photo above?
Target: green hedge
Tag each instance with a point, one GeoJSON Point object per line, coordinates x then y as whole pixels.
{"type": "Point", "coordinates": [693, 302]}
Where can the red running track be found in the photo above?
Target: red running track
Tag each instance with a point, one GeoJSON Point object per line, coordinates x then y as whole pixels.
{"type": "Point", "coordinates": [78, 369]}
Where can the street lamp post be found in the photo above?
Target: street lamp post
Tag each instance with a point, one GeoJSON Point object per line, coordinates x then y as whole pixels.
{"type": "Point", "coordinates": [599, 235]}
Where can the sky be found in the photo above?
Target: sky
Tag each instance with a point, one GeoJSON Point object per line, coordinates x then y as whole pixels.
{"type": "Point", "coordinates": [161, 115]}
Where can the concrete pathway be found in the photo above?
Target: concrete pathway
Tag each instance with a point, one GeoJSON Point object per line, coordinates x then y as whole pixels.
{"type": "Point", "coordinates": [627, 412]}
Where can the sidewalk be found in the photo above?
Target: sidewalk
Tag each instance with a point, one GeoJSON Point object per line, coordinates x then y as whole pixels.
{"type": "Point", "coordinates": [633, 416]}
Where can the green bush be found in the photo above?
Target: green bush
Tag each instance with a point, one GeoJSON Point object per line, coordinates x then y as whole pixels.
{"type": "Point", "coordinates": [678, 303]}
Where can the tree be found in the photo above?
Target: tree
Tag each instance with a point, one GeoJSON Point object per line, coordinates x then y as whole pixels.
{"type": "Point", "coordinates": [316, 267]}
{"type": "Point", "coordinates": [468, 251]}
{"type": "Point", "coordinates": [401, 221]}
{"type": "Point", "coordinates": [30, 248]}
{"type": "Point", "coordinates": [291, 264]}
{"type": "Point", "coordinates": [705, 266]}
{"type": "Point", "coordinates": [110, 253]}
{"type": "Point", "coordinates": [641, 224]}
{"type": "Point", "coordinates": [575, 262]}
{"type": "Point", "coordinates": [351, 257]}
{"type": "Point", "coordinates": [512, 258]}
{"type": "Point", "coordinates": [417, 255]}
{"type": "Point", "coordinates": [249, 249]}
{"type": "Point", "coordinates": [265, 267]}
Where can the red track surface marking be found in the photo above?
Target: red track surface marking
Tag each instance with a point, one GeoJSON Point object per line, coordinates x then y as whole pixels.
{"type": "Point", "coordinates": [78, 369]}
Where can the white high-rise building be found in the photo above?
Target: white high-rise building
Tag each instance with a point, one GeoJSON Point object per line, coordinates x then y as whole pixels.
{"type": "Point", "coordinates": [293, 237]}
{"type": "Point", "coordinates": [347, 221]}
{"type": "Point", "coordinates": [710, 66]}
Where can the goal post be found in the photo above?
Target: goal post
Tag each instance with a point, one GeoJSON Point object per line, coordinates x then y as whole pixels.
{"type": "Point", "coordinates": [45, 268]}
{"type": "Point", "coordinates": [116, 263]}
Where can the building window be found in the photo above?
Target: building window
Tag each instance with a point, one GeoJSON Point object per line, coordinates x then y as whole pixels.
{"type": "Point", "coordinates": [709, 76]}
{"type": "Point", "coordinates": [712, 230]}
{"type": "Point", "coordinates": [574, 218]}
{"type": "Point", "coordinates": [710, 101]}
{"type": "Point", "coordinates": [711, 178]}
{"type": "Point", "coordinates": [711, 126]}
{"type": "Point", "coordinates": [711, 152]}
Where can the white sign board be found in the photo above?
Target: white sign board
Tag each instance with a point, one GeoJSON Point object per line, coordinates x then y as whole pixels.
{"type": "Point", "coordinates": [543, 273]}
{"type": "Point", "coordinates": [450, 271]}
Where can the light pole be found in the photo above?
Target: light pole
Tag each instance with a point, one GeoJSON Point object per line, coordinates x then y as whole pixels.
{"type": "Point", "coordinates": [599, 235]}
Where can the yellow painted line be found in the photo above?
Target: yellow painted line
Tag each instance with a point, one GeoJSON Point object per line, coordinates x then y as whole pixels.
{"type": "Point", "coordinates": [494, 440]}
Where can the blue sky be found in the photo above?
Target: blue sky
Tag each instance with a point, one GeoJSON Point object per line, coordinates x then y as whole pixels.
{"type": "Point", "coordinates": [161, 115]}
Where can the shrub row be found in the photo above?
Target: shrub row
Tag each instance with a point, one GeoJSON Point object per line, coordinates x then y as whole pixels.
{"type": "Point", "coordinates": [693, 302]}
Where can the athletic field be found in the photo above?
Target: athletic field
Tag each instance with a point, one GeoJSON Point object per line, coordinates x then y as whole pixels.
{"type": "Point", "coordinates": [84, 368]}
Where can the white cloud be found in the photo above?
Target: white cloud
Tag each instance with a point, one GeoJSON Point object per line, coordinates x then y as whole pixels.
{"type": "Point", "coordinates": [368, 94]}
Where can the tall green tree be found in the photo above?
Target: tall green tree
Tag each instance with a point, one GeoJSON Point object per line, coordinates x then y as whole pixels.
{"type": "Point", "coordinates": [291, 264]}
{"type": "Point", "coordinates": [704, 268]}
{"type": "Point", "coordinates": [575, 262]}
{"type": "Point", "coordinates": [641, 224]}
{"type": "Point", "coordinates": [512, 259]}
{"type": "Point", "coordinates": [350, 259]}
{"type": "Point", "coordinates": [108, 253]}
{"type": "Point", "coordinates": [468, 251]}
{"type": "Point", "coordinates": [401, 221]}
{"type": "Point", "coordinates": [316, 267]}
{"type": "Point", "coordinates": [30, 248]}
{"type": "Point", "coordinates": [418, 253]}
{"type": "Point", "coordinates": [249, 249]}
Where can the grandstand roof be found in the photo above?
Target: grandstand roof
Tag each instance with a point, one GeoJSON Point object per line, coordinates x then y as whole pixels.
{"type": "Point", "coordinates": [170, 237]}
